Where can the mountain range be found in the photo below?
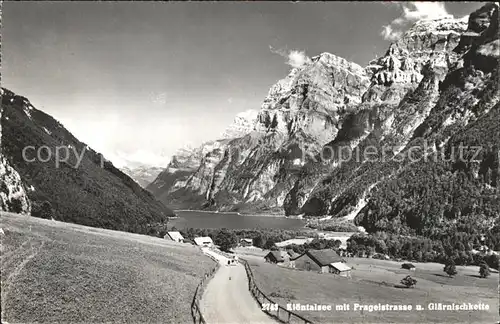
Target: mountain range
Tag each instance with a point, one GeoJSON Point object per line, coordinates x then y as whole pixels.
{"type": "Point", "coordinates": [427, 112]}
{"type": "Point", "coordinates": [142, 174]}
{"type": "Point", "coordinates": [433, 91]}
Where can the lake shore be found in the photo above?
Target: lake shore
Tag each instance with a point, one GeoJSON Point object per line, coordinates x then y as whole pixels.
{"type": "Point", "coordinates": [233, 213]}
{"type": "Point", "coordinates": [233, 220]}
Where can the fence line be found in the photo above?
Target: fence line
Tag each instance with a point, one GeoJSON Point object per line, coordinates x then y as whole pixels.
{"type": "Point", "coordinates": [195, 306]}
{"type": "Point", "coordinates": [268, 305]}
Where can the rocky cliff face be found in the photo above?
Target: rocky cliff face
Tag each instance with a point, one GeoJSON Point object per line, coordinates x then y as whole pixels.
{"type": "Point", "coordinates": [434, 88]}
{"type": "Point", "coordinates": [404, 87]}
{"type": "Point", "coordinates": [67, 180]}
{"type": "Point", "coordinates": [13, 197]}
{"type": "Point", "coordinates": [307, 107]}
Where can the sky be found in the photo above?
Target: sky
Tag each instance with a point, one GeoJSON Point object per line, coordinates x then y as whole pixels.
{"type": "Point", "coordinates": [138, 80]}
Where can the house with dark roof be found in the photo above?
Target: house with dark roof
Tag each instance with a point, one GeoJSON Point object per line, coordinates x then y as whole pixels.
{"type": "Point", "coordinates": [317, 260]}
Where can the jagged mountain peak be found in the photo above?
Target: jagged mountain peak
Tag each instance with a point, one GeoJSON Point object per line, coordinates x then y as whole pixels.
{"type": "Point", "coordinates": [444, 25]}
{"type": "Point", "coordinates": [243, 123]}
{"type": "Point", "coordinates": [428, 44]}
{"type": "Point", "coordinates": [337, 61]}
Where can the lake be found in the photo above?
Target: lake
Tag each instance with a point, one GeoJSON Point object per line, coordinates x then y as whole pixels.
{"type": "Point", "coordinates": [196, 219]}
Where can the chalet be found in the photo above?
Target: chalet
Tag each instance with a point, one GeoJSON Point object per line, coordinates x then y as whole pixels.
{"type": "Point", "coordinates": [174, 236]}
{"type": "Point", "coordinates": [204, 241]}
{"type": "Point", "coordinates": [317, 260]}
{"type": "Point", "coordinates": [277, 257]}
{"type": "Point", "coordinates": [246, 242]}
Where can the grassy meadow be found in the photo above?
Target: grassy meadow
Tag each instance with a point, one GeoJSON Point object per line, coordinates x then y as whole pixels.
{"type": "Point", "coordinates": [378, 281]}
{"type": "Point", "coordinates": [60, 272]}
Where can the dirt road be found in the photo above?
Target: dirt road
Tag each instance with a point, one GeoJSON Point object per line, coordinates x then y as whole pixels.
{"type": "Point", "coordinates": [229, 301]}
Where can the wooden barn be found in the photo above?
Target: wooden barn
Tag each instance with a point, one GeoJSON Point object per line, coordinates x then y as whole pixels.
{"type": "Point", "coordinates": [317, 260]}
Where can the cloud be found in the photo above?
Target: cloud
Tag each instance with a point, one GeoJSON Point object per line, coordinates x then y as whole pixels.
{"type": "Point", "coordinates": [295, 58]}
{"type": "Point", "coordinates": [412, 12]}
{"type": "Point", "coordinates": [390, 34]}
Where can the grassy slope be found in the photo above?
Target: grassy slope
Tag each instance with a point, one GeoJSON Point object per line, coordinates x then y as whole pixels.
{"type": "Point", "coordinates": [372, 283]}
{"type": "Point", "coordinates": [61, 272]}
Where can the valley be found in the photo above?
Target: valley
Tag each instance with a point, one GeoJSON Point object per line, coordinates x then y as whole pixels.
{"type": "Point", "coordinates": [366, 174]}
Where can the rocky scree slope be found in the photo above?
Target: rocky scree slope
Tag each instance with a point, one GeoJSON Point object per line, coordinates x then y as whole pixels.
{"type": "Point", "coordinates": [13, 197]}
{"type": "Point", "coordinates": [94, 193]}
{"type": "Point", "coordinates": [434, 89]}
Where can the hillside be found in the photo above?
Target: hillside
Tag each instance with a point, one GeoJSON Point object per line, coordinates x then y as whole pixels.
{"type": "Point", "coordinates": [434, 90]}
{"type": "Point", "coordinates": [55, 272]}
{"type": "Point", "coordinates": [65, 179]}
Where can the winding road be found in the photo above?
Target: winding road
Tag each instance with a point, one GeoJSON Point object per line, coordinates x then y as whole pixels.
{"type": "Point", "coordinates": [227, 301]}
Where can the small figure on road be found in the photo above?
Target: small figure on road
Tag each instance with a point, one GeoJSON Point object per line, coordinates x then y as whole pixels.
{"type": "Point", "coordinates": [229, 278]}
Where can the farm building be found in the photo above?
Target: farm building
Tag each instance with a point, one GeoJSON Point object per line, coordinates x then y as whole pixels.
{"type": "Point", "coordinates": [246, 242]}
{"type": "Point", "coordinates": [317, 260]}
{"type": "Point", "coordinates": [340, 269]}
{"type": "Point", "coordinates": [174, 236]}
{"type": "Point", "coordinates": [277, 257]}
{"type": "Point", "coordinates": [204, 241]}
{"type": "Point", "coordinates": [296, 241]}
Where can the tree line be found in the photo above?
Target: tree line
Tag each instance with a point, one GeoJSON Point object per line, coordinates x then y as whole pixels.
{"type": "Point", "coordinates": [456, 247]}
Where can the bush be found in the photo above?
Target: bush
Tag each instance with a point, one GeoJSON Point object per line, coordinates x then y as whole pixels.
{"type": "Point", "coordinates": [15, 205]}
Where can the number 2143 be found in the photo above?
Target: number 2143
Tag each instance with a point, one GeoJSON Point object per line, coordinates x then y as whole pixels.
{"type": "Point", "coordinates": [269, 307]}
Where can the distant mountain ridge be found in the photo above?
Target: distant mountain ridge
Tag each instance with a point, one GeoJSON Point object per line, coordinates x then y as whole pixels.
{"type": "Point", "coordinates": [83, 188]}
{"type": "Point", "coordinates": [143, 175]}
{"type": "Point", "coordinates": [437, 84]}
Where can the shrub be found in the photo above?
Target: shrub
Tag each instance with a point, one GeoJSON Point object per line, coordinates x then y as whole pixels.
{"type": "Point", "coordinates": [484, 270]}
{"type": "Point", "coordinates": [450, 268]}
